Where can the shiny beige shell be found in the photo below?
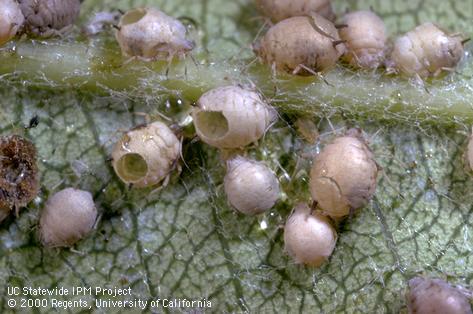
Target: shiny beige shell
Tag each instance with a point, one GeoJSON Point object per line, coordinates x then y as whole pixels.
{"type": "Point", "coordinates": [146, 155]}
{"type": "Point", "coordinates": [68, 216]}
{"type": "Point", "coordinates": [11, 20]}
{"type": "Point", "coordinates": [278, 10]}
{"type": "Point", "coordinates": [309, 238]}
{"type": "Point", "coordinates": [307, 41]}
{"type": "Point", "coordinates": [343, 176]}
{"type": "Point", "coordinates": [251, 187]}
{"type": "Point", "coordinates": [426, 51]}
{"type": "Point", "coordinates": [49, 17]}
{"type": "Point", "coordinates": [150, 34]}
{"type": "Point", "coordinates": [427, 296]}
{"type": "Point", "coordinates": [365, 36]}
{"type": "Point", "coordinates": [232, 117]}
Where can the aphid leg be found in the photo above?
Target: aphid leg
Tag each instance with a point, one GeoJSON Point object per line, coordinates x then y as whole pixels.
{"type": "Point", "coordinates": [335, 43]}
{"type": "Point", "coordinates": [318, 74]}
{"type": "Point", "coordinates": [145, 115]}
{"type": "Point", "coordinates": [77, 251]}
{"type": "Point", "coordinates": [273, 70]}
{"type": "Point", "coordinates": [340, 26]}
{"type": "Point", "coordinates": [351, 213]}
{"type": "Point", "coordinates": [313, 206]}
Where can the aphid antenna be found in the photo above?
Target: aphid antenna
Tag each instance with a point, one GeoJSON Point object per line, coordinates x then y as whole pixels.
{"type": "Point", "coordinates": [311, 18]}
{"type": "Point", "coordinates": [464, 41]}
{"type": "Point", "coordinates": [121, 11]}
{"type": "Point", "coordinates": [116, 27]}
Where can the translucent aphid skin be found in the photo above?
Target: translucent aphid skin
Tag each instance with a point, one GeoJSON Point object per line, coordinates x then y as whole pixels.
{"type": "Point", "coordinates": [343, 175]}
{"type": "Point", "coordinates": [19, 179]}
{"type": "Point", "coordinates": [11, 20]}
{"type": "Point", "coordinates": [301, 45]}
{"type": "Point", "coordinates": [278, 10]}
{"type": "Point", "coordinates": [365, 38]}
{"type": "Point", "coordinates": [251, 187]}
{"type": "Point", "coordinates": [427, 51]}
{"type": "Point", "coordinates": [68, 216]}
{"type": "Point", "coordinates": [309, 237]}
{"type": "Point", "coordinates": [46, 18]}
{"type": "Point", "coordinates": [149, 34]}
{"type": "Point", "coordinates": [232, 117]}
{"type": "Point", "coordinates": [146, 155]}
{"type": "Point", "coordinates": [435, 296]}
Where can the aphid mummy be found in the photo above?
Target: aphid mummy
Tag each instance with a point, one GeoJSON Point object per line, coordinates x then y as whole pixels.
{"type": "Point", "coordinates": [309, 237]}
{"type": "Point", "coordinates": [146, 155]}
{"type": "Point", "coordinates": [365, 37]}
{"type": "Point", "coordinates": [150, 34]}
{"type": "Point", "coordinates": [232, 117]}
{"type": "Point", "coordinates": [343, 175]}
{"type": "Point", "coordinates": [68, 216]}
{"type": "Point", "coordinates": [251, 187]}
{"type": "Point", "coordinates": [45, 18]}
{"type": "Point", "coordinates": [427, 51]}
{"type": "Point", "coordinates": [301, 45]}
{"type": "Point", "coordinates": [430, 296]}
{"type": "Point", "coordinates": [19, 182]}
{"type": "Point", "coordinates": [278, 10]}
{"type": "Point", "coordinates": [11, 20]}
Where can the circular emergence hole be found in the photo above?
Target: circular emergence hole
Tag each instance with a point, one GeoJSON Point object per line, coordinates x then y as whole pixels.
{"type": "Point", "coordinates": [132, 167]}
{"type": "Point", "coordinates": [212, 124]}
{"type": "Point", "coordinates": [133, 16]}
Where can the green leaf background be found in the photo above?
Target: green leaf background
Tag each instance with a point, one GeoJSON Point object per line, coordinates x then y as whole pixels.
{"type": "Point", "coordinates": [185, 241]}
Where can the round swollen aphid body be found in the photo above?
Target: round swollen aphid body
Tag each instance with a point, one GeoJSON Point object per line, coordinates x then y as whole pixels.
{"type": "Point", "coordinates": [302, 45]}
{"type": "Point", "coordinates": [435, 296]}
{"type": "Point", "coordinates": [427, 51]}
{"type": "Point", "coordinates": [149, 34]}
{"type": "Point", "coordinates": [232, 117]}
{"type": "Point", "coordinates": [46, 18]}
{"type": "Point", "coordinates": [11, 20]}
{"type": "Point", "coordinates": [19, 179]}
{"type": "Point", "coordinates": [146, 155]}
{"type": "Point", "coordinates": [309, 237]}
{"type": "Point", "coordinates": [68, 216]}
{"type": "Point", "coordinates": [251, 187]}
{"type": "Point", "coordinates": [278, 10]}
{"type": "Point", "coordinates": [343, 175]}
{"type": "Point", "coordinates": [365, 38]}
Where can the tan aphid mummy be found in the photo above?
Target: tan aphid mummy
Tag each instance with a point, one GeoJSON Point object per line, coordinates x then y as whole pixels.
{"type": "Point", "coordinates": [309, 237]}
{"type": "Point", "coordinates": [11, 20]}
{"type": "Point", "coordinates": [251, 187]}
{"type": "Point", "coordinates": [146, 155]}
{"type": "Point", "coordinates": [68, 216]}
{"type": "Point", "coordinates": [232, 117]}
{"type": "Point", "coordinates": [49, 17]}
{"type": "Point", "coordinates": [427, 51]}
{"type": "Point", "coordinates": [343, 175]}
{"type": "Point", "coordinates": [365, 38]}
{"type": "Point", "coordinates": [301, 45]}
{"type": "Point", "coordinates": [427, 296]}
{"type": "Point", "coordinates": [150, 34]}
{"type": "Point", "coordinates": [278, 10]}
